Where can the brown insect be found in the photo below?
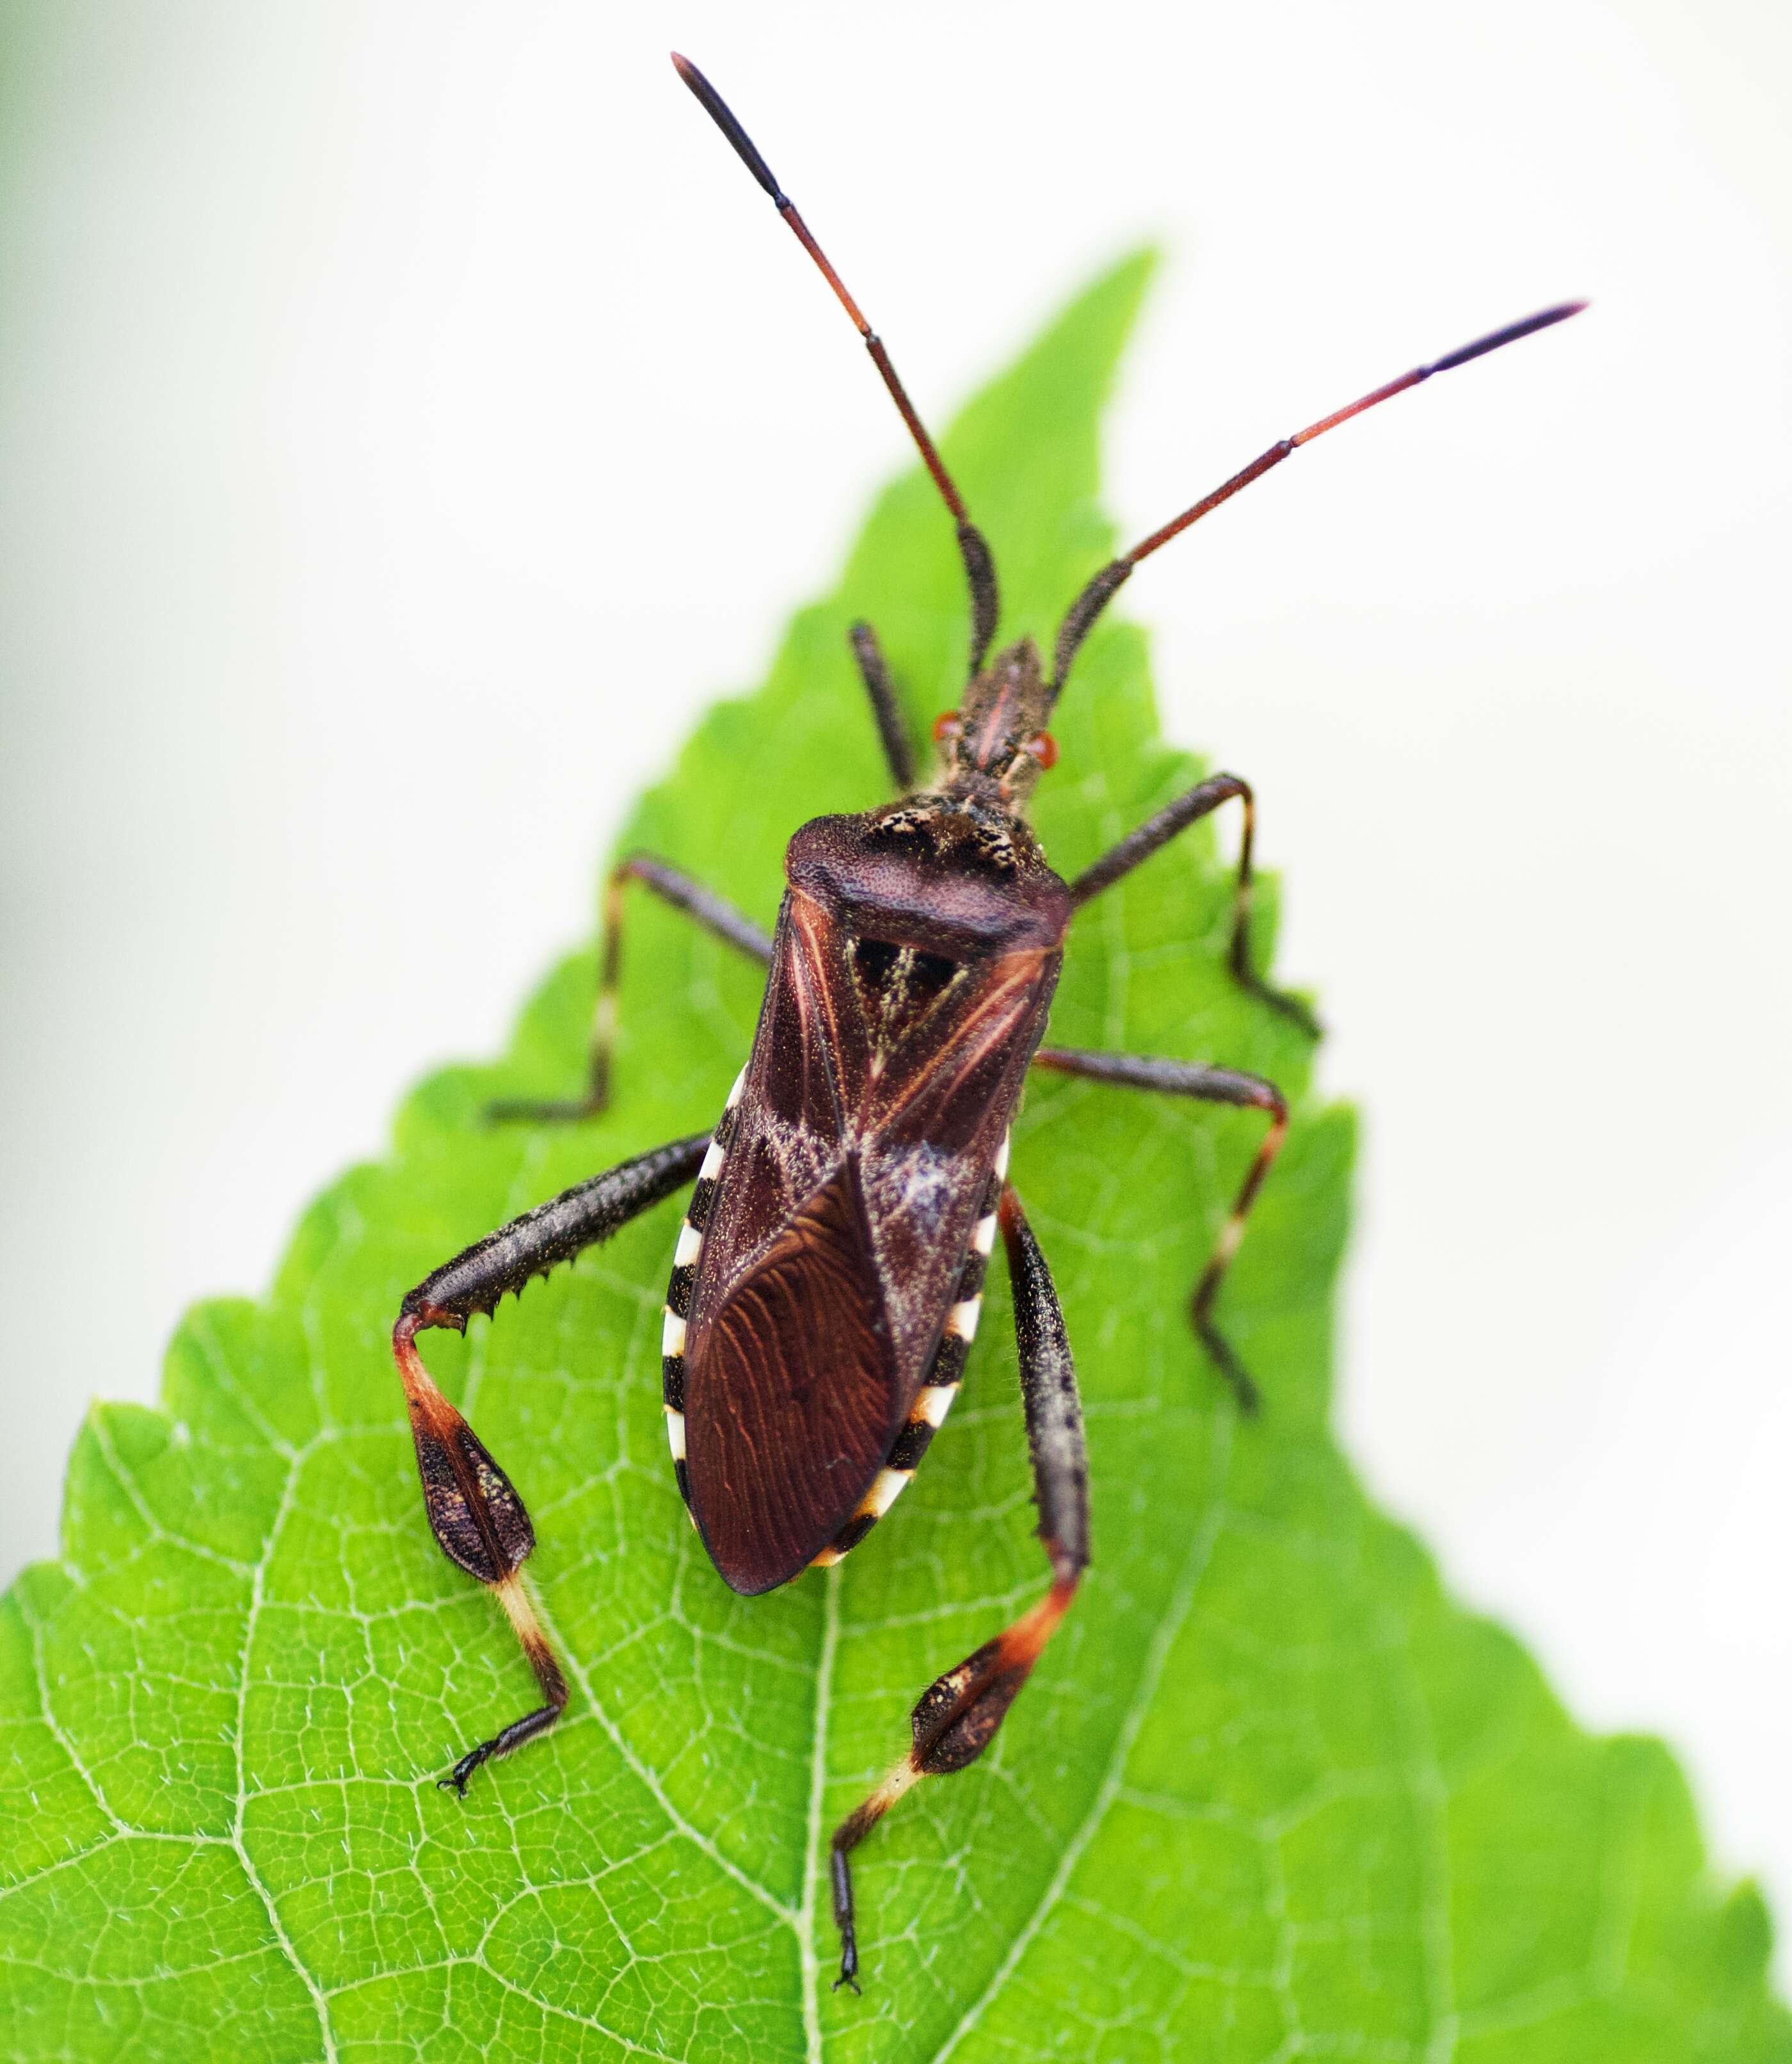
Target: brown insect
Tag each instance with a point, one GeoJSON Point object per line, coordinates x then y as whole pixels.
{"type": "Point", "coordinates": [829, 1271]}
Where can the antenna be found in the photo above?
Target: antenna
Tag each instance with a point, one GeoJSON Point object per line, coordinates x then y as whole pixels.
{"type": "Point", "coordinates": [980, 568]}
{"type": "Point", "coordinates": [1112, 576]}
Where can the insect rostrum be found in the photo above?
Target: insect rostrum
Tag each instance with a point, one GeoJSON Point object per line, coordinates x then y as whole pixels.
{"type": "Point", "coordinates": [828, 1275]}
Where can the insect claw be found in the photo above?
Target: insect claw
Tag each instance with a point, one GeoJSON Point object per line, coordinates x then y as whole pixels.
{"type": "Point", "coordinates": [1245, 1395]}
{"type": "Point", "coordinates": [456, 1781]}
{"type": "Point", "coordinates": [1296, 1012]}
{"type": "Point", "coordinates": [1283, 1001]}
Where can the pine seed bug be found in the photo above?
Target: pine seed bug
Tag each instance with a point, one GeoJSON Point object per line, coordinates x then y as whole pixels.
{"type": "Point", "coordinates": [829, 1271]}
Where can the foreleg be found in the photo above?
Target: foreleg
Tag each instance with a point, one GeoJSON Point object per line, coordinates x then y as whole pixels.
{"type": "Point", "coordinates": [703, 906]}
{"type": "Point", "coordinates": [1158, 831]}
{"type": "Point", "coordinates": [957, 1715]}
{"type": "Point", "coordinates": [478, 1519]}
{"type": "Point", "coordinates": [886, 708]}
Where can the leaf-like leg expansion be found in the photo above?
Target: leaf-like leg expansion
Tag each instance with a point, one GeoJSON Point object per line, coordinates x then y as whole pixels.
{"type": "Point", "coordinates": [703, 906]}
{"type": "Point", "coordinates": [1143, 1071]}
{"type": "Point", "coordinates": [1158, 831]}
{"type": "Point", "coordinates": [886, 707]}
{"type": "Point", "coordinates": [479, 1522]}
{"type": "Point", "coordinates": [956, 1716]}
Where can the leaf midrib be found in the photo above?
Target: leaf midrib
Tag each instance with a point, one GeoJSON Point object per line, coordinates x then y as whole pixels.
{"type": "Point", "coordinates": [809, 1913]}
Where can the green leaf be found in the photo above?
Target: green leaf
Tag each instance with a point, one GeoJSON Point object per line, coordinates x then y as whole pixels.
{"type": "Point", "coordinates": [1269, 1795]}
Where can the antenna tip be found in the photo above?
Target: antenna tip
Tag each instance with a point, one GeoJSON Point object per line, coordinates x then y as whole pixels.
{"type": "Point", "coordinates": [723, 116]}
{"type": "Point", "coordinates": [1543, 318]}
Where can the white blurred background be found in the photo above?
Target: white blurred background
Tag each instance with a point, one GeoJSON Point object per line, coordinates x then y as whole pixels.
{"type": "Point", "coordinates": [410, 415]}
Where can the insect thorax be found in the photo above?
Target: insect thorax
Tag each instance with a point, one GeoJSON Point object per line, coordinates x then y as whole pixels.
{"type": "Point", "coordinates": [949, 874]}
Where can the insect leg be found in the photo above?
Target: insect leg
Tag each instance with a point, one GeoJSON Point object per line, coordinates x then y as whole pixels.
{"type": "Point", "coordinates": [1158, 831]}
{"type": "Point", "coordinates": [478, 1519]}
{"type": "Point", "coordinates": [702, 905]}
{"type": "Point", "coordinates": [885, 707]}
{"type": "Point", "coordinates": [1143, 1071]}
{"type": "Point", "coordinates": [956, 1716]}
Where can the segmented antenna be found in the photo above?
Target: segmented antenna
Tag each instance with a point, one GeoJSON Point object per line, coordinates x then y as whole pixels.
{"type": "Point", "coordinates": [1107, 583]}
{"type": "Point", "coordinates": [979, 569]}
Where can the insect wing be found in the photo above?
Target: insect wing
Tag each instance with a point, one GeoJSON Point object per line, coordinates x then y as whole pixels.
{"type": "Point", "coordinates": [790, 1401]}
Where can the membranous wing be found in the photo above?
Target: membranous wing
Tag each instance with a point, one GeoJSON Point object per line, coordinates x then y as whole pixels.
{"type": "Point", "coordinates": [788, 1396]}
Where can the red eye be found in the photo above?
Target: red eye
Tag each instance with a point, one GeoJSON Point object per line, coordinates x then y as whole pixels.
{"type": "Point", "coordinates": [1044, 748]}
{"type": "Point", "coordinates": [946, 725]}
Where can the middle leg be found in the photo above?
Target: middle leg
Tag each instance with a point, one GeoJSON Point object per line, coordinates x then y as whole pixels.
{"type": "Point", "coordinates": [1158, 831]}
{"type": "Point", "coordinates": [1144, 1071]}
{"type": "Point", "coordinates": [886, 707]}
{"type": "Point", "coordinates": [703, 906]}
{"type": "Point", "coordinates": [956, 1718]}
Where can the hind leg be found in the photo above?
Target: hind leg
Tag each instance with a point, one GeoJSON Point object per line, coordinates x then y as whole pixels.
{"type": "Point", "coordinates": [956, 1716]}
{"type": "Point", "coordinates": [479, 1522]}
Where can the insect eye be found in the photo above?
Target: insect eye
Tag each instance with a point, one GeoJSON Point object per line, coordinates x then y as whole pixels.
{"type": "Point", "coordinates": [946, 726]}
{"type": "Point", "coordinates": [1044, 748]}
